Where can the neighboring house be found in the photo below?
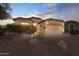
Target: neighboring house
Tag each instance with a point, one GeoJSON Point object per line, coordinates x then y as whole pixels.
{"type": "Point", "coordinates": [71, 27]}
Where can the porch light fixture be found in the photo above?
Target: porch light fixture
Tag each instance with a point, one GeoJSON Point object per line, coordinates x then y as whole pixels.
{"type": "Point", "coordinates": [34, 24]}
{"type": "Point", "coordinates": [46, 23]}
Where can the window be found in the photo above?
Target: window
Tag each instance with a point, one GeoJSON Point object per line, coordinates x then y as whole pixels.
{"type": "Point", "coordinates": [71, 27]}
{"type": "Point", "coordinates": [24, 23]}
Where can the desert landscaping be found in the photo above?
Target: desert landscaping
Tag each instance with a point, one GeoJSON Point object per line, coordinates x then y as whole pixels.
{"type": "Point", "coordinates": [12, 44]}
{"type": "Point", "coordinates": [28, 29]}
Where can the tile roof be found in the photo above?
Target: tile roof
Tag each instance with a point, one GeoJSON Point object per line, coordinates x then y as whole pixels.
{"type": "Point", "coordinates": [52, 20]}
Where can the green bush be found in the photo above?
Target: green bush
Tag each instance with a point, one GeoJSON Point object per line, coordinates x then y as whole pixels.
{"type": "Point", "coordinates": [39, 36]}
{"type": "Point", "coordinates": [12, 28]}
{"type": "Point", "coordinates": [29, 29]}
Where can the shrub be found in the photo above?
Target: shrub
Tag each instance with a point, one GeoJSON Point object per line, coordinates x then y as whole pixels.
{"type": "Point", "coordinates": [39, 36]}
{"type": "Point", "coordinates": [29, 29]}
{"type": "Point", "coordinates": [12, 28]}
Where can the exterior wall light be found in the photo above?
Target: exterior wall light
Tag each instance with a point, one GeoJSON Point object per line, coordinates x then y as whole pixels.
{"type": "Point", "coordinates": [34, 24]}
{"type": "Point", "coordinates": [46, 23]}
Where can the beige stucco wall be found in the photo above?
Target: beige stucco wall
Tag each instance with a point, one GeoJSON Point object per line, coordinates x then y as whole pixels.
{"type": "Point", "coordinates": [18, 22]}
{"type": "Point", "coordinates": [54, 28]}
{"type": "Point", "coordinates": [41, 28]}
{"type": "Point", "coordinates": [51, 28]}
{"type": "Point", "coordinates": [37, 21]}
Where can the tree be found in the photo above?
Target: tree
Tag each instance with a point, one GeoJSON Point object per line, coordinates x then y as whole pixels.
{"type": "Point", "coordinates": [4, 14]}
{"type": "Point", "coordinates": [5, 11]}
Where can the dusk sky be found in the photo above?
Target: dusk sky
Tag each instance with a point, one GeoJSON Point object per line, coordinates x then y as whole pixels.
{"type": "Point", "coordinates": [63, 11]}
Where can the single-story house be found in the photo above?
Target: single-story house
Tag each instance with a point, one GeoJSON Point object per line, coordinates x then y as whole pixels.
{"type": "Point", "coordinates": [71, 27]}
{"type": "Point", "coordinates": [47, 27]}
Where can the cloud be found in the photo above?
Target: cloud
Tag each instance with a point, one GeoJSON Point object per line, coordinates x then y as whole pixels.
{"type": "Point", "coordinates": [43, 15]}
{"type": "Point", "coordinates": [68, 11]}
{"type": "Point", "coordinates": [51, 4]}
{"type": "Point", "coordinates": [65, 11]}
{"type": "Point", "coordinates": [47, 16]}
{"type": "Point", "coordinates": [33, 14]}
{"type": "Point", "coordinates": [72, 12]}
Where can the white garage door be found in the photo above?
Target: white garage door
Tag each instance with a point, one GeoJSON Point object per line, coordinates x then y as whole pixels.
{"type": "Point", "coordinates": [53, 29]}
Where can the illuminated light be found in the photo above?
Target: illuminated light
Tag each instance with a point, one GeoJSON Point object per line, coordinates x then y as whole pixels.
{"type": "Point", "coordinates": [34, 24]}
{"type": "Point", "coordinates": [46, 23]}
{"type": "Point", "coordinates": [36, 33]}
{"type": "Point", "coordinates": [24, 24]}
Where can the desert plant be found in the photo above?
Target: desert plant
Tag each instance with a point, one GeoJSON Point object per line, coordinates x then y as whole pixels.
{"type": "Point", "coordinates": [39, 36]}
{"type": "Point", "coordinates": [12, 28]}
{"type": "Point", "coordinates": [28, 29]}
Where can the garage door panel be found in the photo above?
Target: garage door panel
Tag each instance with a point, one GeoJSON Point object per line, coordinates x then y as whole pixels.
{"type": "Point", "coordinates": [53, 30]}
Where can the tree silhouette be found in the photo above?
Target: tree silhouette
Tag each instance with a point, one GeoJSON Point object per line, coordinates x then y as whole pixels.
{"type": "Point", "coordinates": [5, 11]}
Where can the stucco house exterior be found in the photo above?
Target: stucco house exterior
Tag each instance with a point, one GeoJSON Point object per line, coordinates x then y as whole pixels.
{"type": "Point", "coordinates": [23, 21]}
{"type": "Point", "coordinates": [54, 27]}
{"type": "Point", "coordinates": [48, 27]}
{"type": "Point", "coordinates": [51, 27]}
{"type": "Point", "coordinates": [28, 21]}
{"type": "Point", "coordinates": [71, 27]}
{"type": "Point", "coordinates": [35, 19]}
{"type": "Point", "coordinates": [36, 22]}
